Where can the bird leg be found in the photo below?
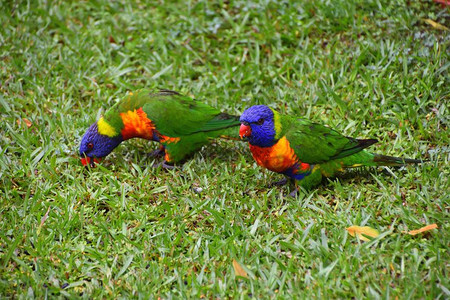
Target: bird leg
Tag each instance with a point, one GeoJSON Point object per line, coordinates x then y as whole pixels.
{"type": "Point", "coordinates": [165, 165]}
{"type": "Point", "coordinates": [168, 166]}
{"type": "Point", "coordinates": [157, 152]}
{"type": "Point", "coordinates": [278, 183]}
{"type": "Point", "coordinates": [294, 193]}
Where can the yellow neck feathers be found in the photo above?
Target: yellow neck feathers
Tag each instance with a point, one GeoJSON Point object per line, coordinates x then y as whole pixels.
{"type": "Point", "coordinates": [277, 124]}
{"type": "Point", "coordinates": [105, 129]}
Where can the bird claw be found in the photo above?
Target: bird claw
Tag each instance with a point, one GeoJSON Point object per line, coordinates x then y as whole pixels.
{"type": "Point", "coordinates": [164, 165]}
{"type": "Point", "coordinates": [278, 183]}
{"type": "Point", "coordinates": [294, 193]}
{"type": "Point", "coordinates": [157, 153]}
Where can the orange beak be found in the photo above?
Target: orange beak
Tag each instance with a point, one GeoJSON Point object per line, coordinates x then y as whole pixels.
{"type": "Point", "coordinates": [245, 131]}
{"type": "Point", "coordinates": [87, 160]}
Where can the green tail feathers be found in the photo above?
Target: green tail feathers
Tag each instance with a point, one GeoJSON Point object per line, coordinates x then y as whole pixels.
{"type": "Point", "coordinates": [225, 125]}
{"type": "Point", "coordinates": [221, 121]}
{"type": "Point", "coordinates": [384, 160]}
{"type": "Point", "coordinates": [367, 159]}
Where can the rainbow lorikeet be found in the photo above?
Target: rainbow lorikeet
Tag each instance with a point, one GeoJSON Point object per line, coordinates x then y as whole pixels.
{"type": "Point", "coordinates": [179, 123]}
{"type": "Point", "coordinates": [305, 151]}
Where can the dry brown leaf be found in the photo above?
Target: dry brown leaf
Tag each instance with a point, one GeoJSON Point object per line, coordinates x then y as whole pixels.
{"type": "Point", "coordinates": [392, 267]}
{"type": "Point", "coordinates": [436, 24]}
{"type": "Point", "coordinates": [361, 232]}
{"type": "Point", "coordinates": [44, 218]}
{"type": "Point", "coordinates": [43, 221]}
{"type": "Point", "coordinates": [27, 122]}
{"type": "Point", "coordinates": [423, 229]}
{"type": "Point", "coordinates": [239, 270]}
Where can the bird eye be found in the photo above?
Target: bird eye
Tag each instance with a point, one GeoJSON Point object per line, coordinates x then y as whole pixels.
{"type": "Point", "coordinates": [260, 121]}
{"type": "Point", "coordinates": [90, 145]}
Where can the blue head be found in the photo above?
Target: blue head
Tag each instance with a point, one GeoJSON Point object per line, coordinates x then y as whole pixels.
{"type": "Point", "coordinates": [258, 126]}
{"type": "Point", "coordinates": [95, 146]}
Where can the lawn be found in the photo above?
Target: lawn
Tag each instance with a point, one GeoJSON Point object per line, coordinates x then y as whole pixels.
{"type": "Point", "coordinates": [370, 69]}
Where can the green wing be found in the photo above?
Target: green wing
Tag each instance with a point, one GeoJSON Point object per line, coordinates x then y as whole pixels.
{"type": "Point", "coordinates": [314, 143]}
{"type": "Point", "coordinates": [176, 115]}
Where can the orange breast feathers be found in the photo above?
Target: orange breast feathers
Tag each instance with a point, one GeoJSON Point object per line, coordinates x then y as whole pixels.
{"type": "Point", "coordinates": [277, 158]}
{"type": "Point", "coordinates": [136, 124]}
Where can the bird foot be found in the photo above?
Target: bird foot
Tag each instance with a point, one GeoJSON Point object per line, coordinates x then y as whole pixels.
{"type": "Point", "coordinates": [164, 165]}
{"type": "Point", "coordinates": [278, 183]}
{"type": "Point", "coordinates": [294, 193]}
{"type": "Point", "coordinates": [157, 153]}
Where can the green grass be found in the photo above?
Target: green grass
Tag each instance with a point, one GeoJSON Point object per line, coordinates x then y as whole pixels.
{"type": "Point", "coordinates": [367, 68]}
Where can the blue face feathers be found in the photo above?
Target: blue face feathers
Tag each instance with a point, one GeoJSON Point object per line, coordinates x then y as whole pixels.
{"type": "Point", "coordinates": [261, 121]}
{"type": "Point", "coordinates": [94, 144]}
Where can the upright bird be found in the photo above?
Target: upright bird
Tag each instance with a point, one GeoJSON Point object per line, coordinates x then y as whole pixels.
{"type": "Point", "coordinates": [305, 151]}
{"type": "Point", "coordinates": [179, 123]}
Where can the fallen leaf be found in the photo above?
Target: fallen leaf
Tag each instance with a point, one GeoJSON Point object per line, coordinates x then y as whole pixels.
{"type": "Point", "coordinates": [27, 122]}
{"type": "Point", "coordinates": [43, 221]}
{"type": "Point", "coordinates": [239, 270]}
{"type": "Point", "coordinates": [436, 24]}
{"type": "Point", "coordinates": [423, 229]}
{"type": "Point", "coordinates": [392, 267]}
{"type": "Point", "coordinates": [361, 232]}
{"type": "Point", "coordinates": [45, 217]}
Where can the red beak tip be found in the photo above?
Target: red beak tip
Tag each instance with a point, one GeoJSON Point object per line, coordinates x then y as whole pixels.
{"type": "Point", "coordinates": [245, 131]}
{"type": "Point", "coordinates": [87, 160]}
